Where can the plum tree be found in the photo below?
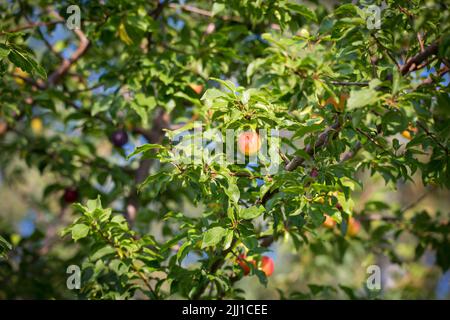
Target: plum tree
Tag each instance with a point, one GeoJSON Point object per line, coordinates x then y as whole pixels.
{"type": "Point", "coordinates": [115, 143]}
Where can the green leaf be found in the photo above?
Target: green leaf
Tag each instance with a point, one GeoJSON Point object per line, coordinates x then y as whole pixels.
{"type": "Point", "coordinates": [188, 98]}
{"type": "Point", "coordinates": [261, 277]}
{"type": "Point", "coordinates": [228, 239]}
{"type": "Point", "coordinates": [361, 98]}
{"type": "Point", "coordinates": [118, 267]}
{"type": "Point", "coordinates": [4, 246]}
{"type": "Point", "coordinates": [93, 204]}
{"type": "Point", "coordinates": [302, 153]}
{"type": "Point", "coordinates": [79, 231]}
{"type": "Point", "coordinates": [182, 251]}
{"type": "Point", "coordinates": [212, 94]}
{"type": "Point", "coordinates": [20, 60]}
{"type": "Point", "coordinates": [233, 192]}
{"type": "Point", "coordinates": [251, 213]}
{"type": "Point", "coordinates": [141, 112]}
{"type": "Point", "coordinates": [144, 148]}
{"type": "Point", "coordinates": [346, 9]}
{"type": "Point", "coordinates": [4, 51]}
{"type": "Point", "coordinates": [226, 83]}
{"type": "Point", "coordinates": [230, 213]}
{"type": "Point", "coordinates": [142, 105]}
{"type": "Point", "coordinates": [102, 252]}
{"type": "Point", "coordinates": [40, 71]}
{"type": "Point", "coordinates": [148, 102]}
{"type": "Point", "coordinates": [213, 236]}
{"type": "Point", "coordinates": [253, 66]}
{"type": "Point", "coordinates": [123, 35]}
{"type": "Point", "coordinates": [302, 10]}
{"type": "Point", "coordinates": [26, 63]}
{"type": "Point", "coordinates": [303, 130]}
{"type": "Point", "coordinates": [349, 292]}
{"type": "Point", "coordinates": [250, 241]}
{"type": "Point", "coordinates": [217, 8]}
{"type": "Point", "coordinates": [101, 105]}
{"type": "Point", "coordinates": [158, 181]}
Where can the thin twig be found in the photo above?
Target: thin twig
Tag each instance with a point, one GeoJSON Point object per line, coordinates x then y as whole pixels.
{"type": "Point", "coordinates": [67, 63]}
{"type": "Point", "coordinates": [107, 238]}
{"type": "Point", "coordinates": [95, 86]}
{"type": "Point", "coordinates": [432, 137]}
{"type": "Point", "coordinates": [386, 50]}
{"type": "Point", "coordinates": [322, 139]}
{"type": "Point", "coordinates": [209, 14]}
{"type": "Point", "coordinates": [31, 26]}
{"type": "Point", "coordinates": [416, 201]}
{"type": "Point", "coordinates": [421, 43]}
{"type": "Point", "coordinates": [412, 63]}
{"type": "Point", "coordinates": [440, 73]}
{"type": "Point", "coordinates": [155, 135]}
{"type": "Point", "coordinates": [48, 45]}
{"type": "Point", "coordinates": [351, 153]}
{"type": "Point", "coordinates": [371, 139]}
{"type": "Point", "coordinates": [350, 83]}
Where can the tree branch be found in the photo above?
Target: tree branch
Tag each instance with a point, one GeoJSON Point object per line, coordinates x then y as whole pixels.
{"type": "Point", "coordinates": [216, 265]}
{"type": "Point", "coordinates": [310, 149]}
{"type": "Point", "coordinates": [39, 84]}
{"type": "Point", "coordinates": [350, 83]}
{"type": "Point", "coordinates": [386, 50]}
{"type": "Point", "coordinates": [48, 45]}
{"type": "Point", "coordinates": [351, 153]}
{"type": "Point", "coordinates": [413, 63]}
{"type": "Point", "coordinates": [67, 63]}
{"type": "Point", "coordinates": [440, 73]}
{"type": "Point", "coordinates": [31, 26]}
{"type": "Point", "coordinates": [432, 137]}
{"type": "Point", "coordinates": [155, 135]}
{"type": "Point", "coordinates": [416, 201]}
{"type": "Point", "coordinates": [297, 161]}
{"type": "Point", "coordinates": [421, 41]}
{"type": "Point", "coordinates": [399, 217]}
{"type": "Point", "coordinates": [209, 14]}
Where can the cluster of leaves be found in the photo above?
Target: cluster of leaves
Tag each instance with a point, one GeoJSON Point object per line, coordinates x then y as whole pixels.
{"type": "Point", "coordinates": [117, 259]}
{"type": "Point", "coordinates": [26, 274]}
{"type": "Point", "coordinates": [4, 247]}
{"type": "Point", "coordinates": [19, 56]}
